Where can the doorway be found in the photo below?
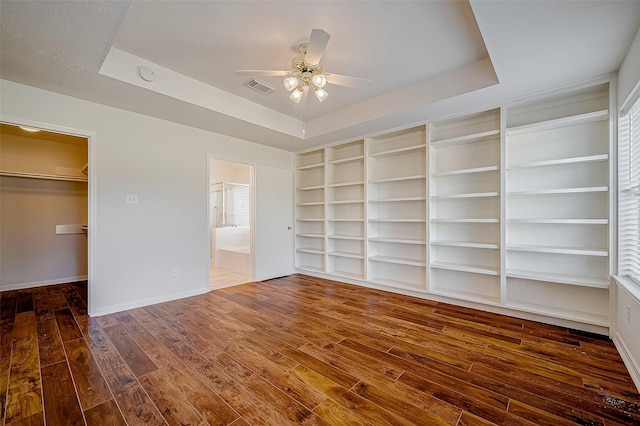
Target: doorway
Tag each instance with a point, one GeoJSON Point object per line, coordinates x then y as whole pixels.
{"type": "Point", "coordinates": [45, 206]}
{"type": "Point", "coordinates": [231, 192]}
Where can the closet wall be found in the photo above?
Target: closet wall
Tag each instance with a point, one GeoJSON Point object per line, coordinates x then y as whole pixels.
{"type": "Point", "coordinates": [43, 204]}
{"type": "Point", "coordinates": [507, 208]}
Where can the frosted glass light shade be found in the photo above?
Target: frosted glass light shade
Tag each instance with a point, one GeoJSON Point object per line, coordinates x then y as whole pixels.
{"type": "Point", "coordinates": [319, 80]}
{"type": "Point", "coordinates": [291, 83]}
{"type": "Point", "coordinates": [296, 95]}
{"type": "Point", "coordinates": [321, 94]}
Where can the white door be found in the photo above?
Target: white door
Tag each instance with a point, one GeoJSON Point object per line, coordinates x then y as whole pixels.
{"type": "Point", "coordinates": [274, 222]}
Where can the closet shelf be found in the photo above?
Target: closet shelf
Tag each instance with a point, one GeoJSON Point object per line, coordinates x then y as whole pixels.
{"type": "Point", "coordinates": [44, 176]}
{"type": "Point", "coordinates": [398, 260]}
{"type": "Point", "coordinates": [398, 151]}
{"type": "Point", "coordinates": [561, 221]}
{"type": "Point", "coordinates": [468, 244]}
{"type": "Point", "coordinates": [397, 200]}
{"type": "Point", "coordinates": [397, 240]}
{"type": "Point", "coordinates": [588, 117]}
{"type": "Point", "coordinates": [465, 139]}
{"type": "Point", "coordinates": [559, 162]}
{"type": "Point", "coordinates": [603, 252]}
{"type": "Point", "coordinates": [346, 237]}
{"type": "Point", "coordinates": [345, 254]}
{"type": "Point", "coordinates": [582, 190]}
{"type": "Point", "coordinates": [467, 195]}
{"type": "Point", "coordinates": [398, 179]}
{"type": "Point", "coordinates": [310, 166]}
{"type": "Point", "coordinates": [467, 171]}
{"type": "Point", "coordinates": [558, 278]}
{"type": "Point", "coordinates": [476, 269]}
{"type": "Point", "coordinates": [347, 160]}
{"type": "Point", "coordinates": [309, 188]}
{"type": "Point", "coordinates": [354, 183]}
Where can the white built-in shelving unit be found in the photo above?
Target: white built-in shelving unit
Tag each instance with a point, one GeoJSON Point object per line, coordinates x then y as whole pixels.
{"type": "Point", "coordinates": [508, 208]}
{"type": "Point", "coordinates": [310, 211]}
{"type": "Point", "coordinates": [465, 207]}
{"type": "Point", "coordinates": [557, 208]}
{"type": "Point", "coordinates": [396, 209]}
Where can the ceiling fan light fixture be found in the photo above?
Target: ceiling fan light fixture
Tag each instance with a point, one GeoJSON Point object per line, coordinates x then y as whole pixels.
{"type": "Point", "coordinates": [321, 94]}
{"type": "Point", "coordinates": [319, 80]}
{"type": "Point", "coordinates": [296, 95]}
{"type": "Point", "coordinates": [291, 83]}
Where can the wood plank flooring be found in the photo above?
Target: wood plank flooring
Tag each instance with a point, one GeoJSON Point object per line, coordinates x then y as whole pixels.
{"type": "Point", "coordinates": [299, 350]}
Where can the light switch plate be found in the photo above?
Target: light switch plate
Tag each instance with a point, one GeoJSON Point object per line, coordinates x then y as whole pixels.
{"type": "Point", "coordinates": [132, 198]}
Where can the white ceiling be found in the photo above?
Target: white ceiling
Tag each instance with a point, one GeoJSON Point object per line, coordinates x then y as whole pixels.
{"type": "Point", "coordinates": [426, 58]}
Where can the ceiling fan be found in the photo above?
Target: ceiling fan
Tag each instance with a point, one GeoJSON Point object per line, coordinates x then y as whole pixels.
{"type": "Point", "coordinates": [307, 73]}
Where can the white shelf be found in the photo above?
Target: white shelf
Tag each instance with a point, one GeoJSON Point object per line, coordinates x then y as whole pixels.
{"type": "Point", "coordinates": [467, 244]}
{"type": "Point", "coordinates": [397, 200]}
{"type": "Point", "coordinates": [309, 250]}
{"type": "Point", "coordinates": [309, 188]}
{"type": "Point", "coordinates": [310, 166]}
{"type": "Point", "coordinates": [398, 220]}
{"type": "Point", "coordinates": [476, 269]}
{"type": "Point", "coordinates": [398, 179]}
{"type": "Point", "coordinates": [310, 220]}
{"type": "Point", "coordinates": [345, 254]}
{"type": "Point", "coordinates": [558, 250]}
{"type": "Point", "coordinates": [337, 185]}
{"type": "Point", "coordinates": [560, 162]}
{"type": "Point", "coordinates": [559, 122]}
{"type": "Point", "coordinates": [558, 278]}
{"type": "Point", "coordinates": [562, 221]}
{"type": "Point", "coordinates": [309, 268]}
{"type": "Point", "coordinates": [346, 202]}
{"type": "Point", "coordinates": [465, 295]}
{"type": "Point", "coordinates": [398, 151]}
{"type": "Point", "coordinates": [465, 139]}
{"type": "Point", "coordinates": [44, 176]}
{"type": "Point", "coordinates": [313, 203]}
{"type": "Point", "coordinates": [568, 314]}
{"type": "Point", "coordinates": [397, 240]}
{"type": "Point", "coordinates": [345, 220]}
{"type": "Point", "coordinates": [465, 220]}
{"type": "Point", "coordinates": [398, 260]}
{"type": "Point", "coordinates": [310, 235]}
{"type": "Point", "coordinates": [467, 171]}
{"type": "Point", "coordinates": [399, 284]}
{"type": "Point", "coordinates": [467, 195]}
{"type": "Point", "coordinates": [345, 274]}
{"type": "Point", "coordinates": [347, 160]}
{"type": "Point", "coordinates": [583, 190]}
{"type": "Point", "coordinates": [345, 237]}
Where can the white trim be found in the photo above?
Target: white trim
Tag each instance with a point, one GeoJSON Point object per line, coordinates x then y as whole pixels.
{"type": "Point", "coordinates": [146, 302]}
{"type": "Point", "coordinates": [630, 361]}
{"type": "Point", "coordinates": [20, 286]}
{"type": "Point", "coordinates": [92, 161]}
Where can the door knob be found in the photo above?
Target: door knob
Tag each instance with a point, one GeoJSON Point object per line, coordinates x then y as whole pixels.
{"type": "Point", "coordinates": [289, 228]}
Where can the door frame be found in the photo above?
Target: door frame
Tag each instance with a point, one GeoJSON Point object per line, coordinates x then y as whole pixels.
{"type": "Point", "coordinates": [252, 215]}
{"type": "Point", "coordinates": [92, 141]}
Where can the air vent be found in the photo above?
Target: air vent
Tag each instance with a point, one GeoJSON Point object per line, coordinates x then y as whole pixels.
{"type": "Point", "coordinates": [260, 86]}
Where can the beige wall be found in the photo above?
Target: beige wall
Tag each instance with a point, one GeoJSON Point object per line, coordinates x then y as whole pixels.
{"type": "Point", "coordinates": [31, 252]}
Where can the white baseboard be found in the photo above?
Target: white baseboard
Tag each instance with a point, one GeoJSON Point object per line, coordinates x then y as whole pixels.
{"type": "Point", "coordinates": [146, 302]}
{"type": "Point", "coordinates": [20, 286]}
{"type": "Point", "coordinates": [629, 361]}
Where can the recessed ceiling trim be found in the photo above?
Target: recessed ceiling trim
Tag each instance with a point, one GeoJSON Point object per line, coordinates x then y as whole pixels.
{"type": "Point", "coordinates": [124, 66]}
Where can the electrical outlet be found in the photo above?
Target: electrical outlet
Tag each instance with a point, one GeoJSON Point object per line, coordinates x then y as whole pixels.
{"type": "Point", "coordinates": [628, 313]}
{"type": "Point", "coordinates": [155, 274]}
{"type": "Point", "coordinates": [132, 198]}
{"type": "Point", "coordinates": [174, 272]}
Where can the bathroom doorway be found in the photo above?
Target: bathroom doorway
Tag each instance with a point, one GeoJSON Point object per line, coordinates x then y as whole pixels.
{"type": "Point", "coordinates": [230, 223]}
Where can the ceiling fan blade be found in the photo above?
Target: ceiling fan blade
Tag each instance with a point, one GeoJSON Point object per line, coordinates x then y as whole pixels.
{"type": "Point", "coordinates": [347, 81]}
{"type": "Point", "coordinates": [317, 42]}
{"type": "Point", "coordinates": [267, 73]}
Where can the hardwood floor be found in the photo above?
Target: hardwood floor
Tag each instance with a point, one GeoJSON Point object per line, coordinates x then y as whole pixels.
{"type": "Point", "coordinates": [299, 350]}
